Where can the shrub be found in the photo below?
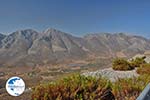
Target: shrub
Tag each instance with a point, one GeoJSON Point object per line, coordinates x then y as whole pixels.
{"type": "Point", "coordinates": [144, 69]}
{"type": "Point", "coordinates": [76, 87]}
{"type": "Point", "coordinates": [130, 88]}
{"type": "Point", "coordinates": [137, 62]}
{"type": "Point", "coordinates": [79, 87]}
{"type": "Point", "coordinates": [121, 64]}
{"type": "Point", "coordinates": [125, 88]}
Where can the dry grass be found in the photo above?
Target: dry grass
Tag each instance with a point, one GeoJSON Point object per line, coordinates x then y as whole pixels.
{"type": "Point", "coordinates": [144, 69]}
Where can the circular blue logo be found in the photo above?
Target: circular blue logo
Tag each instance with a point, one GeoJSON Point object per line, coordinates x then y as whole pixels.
{"type": "Point", "coordinates": [15, 86]}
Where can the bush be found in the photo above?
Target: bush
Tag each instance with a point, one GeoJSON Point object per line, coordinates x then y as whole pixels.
{"type": "Point", "coordinates": [76, 87]}
{"type": "Point", "coordinates": [137, 62]}
{"type": "Point", "coordinates": [130, 88]}
{"type": "Point", "coordinates": [121, 64]}
{"type": "Point", "coordinates": [144, 69]}
{"type": "Point", "coordinates": [79, 87]}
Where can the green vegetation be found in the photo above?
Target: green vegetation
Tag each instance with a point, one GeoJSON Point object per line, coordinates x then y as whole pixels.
{"type": "Point", "coordinates": [144, 69]}
{"type": "Point", "coordinates": [74, 87]}
{"type": "Point", "coordinates": [79, 87]}
{"type": "Point", "coordinates": [130, 88]}
{"type": "Point", "coordinates": [121, 64]}
{"type": "Point", "coordinates": [137, 61]}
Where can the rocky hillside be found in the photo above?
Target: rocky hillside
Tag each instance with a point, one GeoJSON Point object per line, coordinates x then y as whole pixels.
{"type": "Point", "coordinates": [29, 47]}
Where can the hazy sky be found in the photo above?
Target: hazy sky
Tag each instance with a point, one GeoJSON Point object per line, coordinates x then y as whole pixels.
{"type": "Point", "coordinates": [76, 16]}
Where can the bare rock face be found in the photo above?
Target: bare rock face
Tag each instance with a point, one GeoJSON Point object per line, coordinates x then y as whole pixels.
{"type": "Point", "coordinates": [63, 44]}
{"type": "Point", "coordinates": [29, 47]}
{"type": "Point", "coordinates": [109, 44]}
{"type": "Point", "coordinates": [15, 45]}
{"type": "Point", "coordinates": [1, 38]}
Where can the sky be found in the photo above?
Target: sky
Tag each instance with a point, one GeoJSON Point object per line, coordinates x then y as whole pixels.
{"type": "Point", "coordinates": [78, 17]}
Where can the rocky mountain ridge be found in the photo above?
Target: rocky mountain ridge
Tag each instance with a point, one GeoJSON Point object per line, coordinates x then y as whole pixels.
{"type": "Point", "coordinates": [29, 47]}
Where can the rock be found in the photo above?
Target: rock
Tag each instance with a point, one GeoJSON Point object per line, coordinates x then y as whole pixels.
{"type": "Point", "coordinates": [31, 48]}
{"type": "Point", "coordinates": [112, 75]}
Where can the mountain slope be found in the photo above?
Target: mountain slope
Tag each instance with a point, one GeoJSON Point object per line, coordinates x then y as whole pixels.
{"type": "Point", "coordinates": [29, 48]}
{"type": "Point", "coordinates": [113, 43]}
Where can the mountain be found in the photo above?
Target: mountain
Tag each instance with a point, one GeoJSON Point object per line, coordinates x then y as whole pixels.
{"type": "Point", "coordinates": [112, 44]}
{"type": "Point", "coordinates": [29, 47]}
{"type": "Point", "coordinates": [2, 36]}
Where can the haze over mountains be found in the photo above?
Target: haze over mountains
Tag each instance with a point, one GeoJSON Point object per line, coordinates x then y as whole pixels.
{"type": "Point", "coordinates": [29, 48]}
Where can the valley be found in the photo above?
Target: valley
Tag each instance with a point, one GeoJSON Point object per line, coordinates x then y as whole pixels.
{"type": "Point", "coordinates": [43, 57]}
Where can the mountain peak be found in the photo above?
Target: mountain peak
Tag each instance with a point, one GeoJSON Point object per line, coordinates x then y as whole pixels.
{"type": "Point", "coordinates": [51, 30]}
{"type": "Point", "coordinates": [54, 44]}
{"type": "Point", "coordinates": [2, 36]}
{"type": "Point", "coordinates": [55, 32]}
{"type": "Point", "coordinates": [26, 31]}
